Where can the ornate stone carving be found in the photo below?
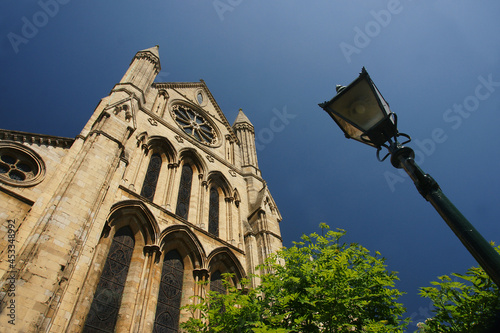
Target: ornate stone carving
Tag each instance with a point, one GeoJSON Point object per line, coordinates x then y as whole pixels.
{"type": "Point", "coordinates": [127, 113]}
{"type": "Point", "coordinates": [19, 165]}
{"type": "Point", "coordinates": [194, 124]}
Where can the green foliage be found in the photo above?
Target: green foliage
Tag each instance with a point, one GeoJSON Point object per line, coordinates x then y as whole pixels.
{"type": "Point", "coordinates": [237, 311]}
{"type": "Point", "coordinates": [471, 303]}
{"type": "Point", "coordinates": [318, 285]}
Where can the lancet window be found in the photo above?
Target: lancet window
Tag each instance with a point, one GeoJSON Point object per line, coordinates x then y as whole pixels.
{"type": "Point", "coordinates": [169, 296]}
{"type": "Point", "coordinates": [184, 191]}
{"type": "Point", "coordinates": [216, 282]}
{"type": "Point", "coordinates": [213, 212]}
{"type": "Point", "coordinates": [107, 297]}
{"type": "Point", "coordinates": [151, 179]}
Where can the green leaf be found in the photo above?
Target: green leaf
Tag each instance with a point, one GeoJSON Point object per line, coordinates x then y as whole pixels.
{"type": "Point", "coordinates": [319, 284]}
{"type": "Point", "coordinates": [469, 302]}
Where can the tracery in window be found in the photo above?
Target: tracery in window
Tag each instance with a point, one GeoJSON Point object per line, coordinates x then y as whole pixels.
{"type": "Point", "coordinates": [169, 295]}
{"type": "Point", "coordinates": [19, 166]}
{"type": "Point", "coordinates": [151, 179]}
{"type": "Point", "coordinates": [216, 282]}
{"type": "Point", "coordinates": [107, 298]}
{"type": "Point", "coordinates": [194, 124]}
{"type": "Point", "coordinates": [217, 285]}
{"type": "Point", "coordinates": [184, 191]}
{"type": "Point", "coordinates": [213, 212]}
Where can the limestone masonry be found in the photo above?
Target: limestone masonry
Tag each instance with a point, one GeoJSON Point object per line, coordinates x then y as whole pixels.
{"type": "Point", "coordinates": [112, 230]}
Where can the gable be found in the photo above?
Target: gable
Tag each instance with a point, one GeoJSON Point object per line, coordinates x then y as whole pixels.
{"type": "Point", "coordinates": [265, 202]}
{"type": "Point", "coordinates": [196, 95]}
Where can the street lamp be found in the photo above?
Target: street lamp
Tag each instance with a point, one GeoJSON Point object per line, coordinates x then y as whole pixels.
{"type": "Point", "coordinates": [363, 115]}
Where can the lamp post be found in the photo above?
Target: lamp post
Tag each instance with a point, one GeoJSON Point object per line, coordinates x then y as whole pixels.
{"type": "Point", "coordinates": [362, 113]}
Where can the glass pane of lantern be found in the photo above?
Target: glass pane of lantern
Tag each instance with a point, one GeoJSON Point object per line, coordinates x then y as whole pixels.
{"type": "Point", "coordinates": [349, 130]}
{"type": "Point", "coordinates": [385, 105]}
{"type": "Point", "coordinates": [358, 105]}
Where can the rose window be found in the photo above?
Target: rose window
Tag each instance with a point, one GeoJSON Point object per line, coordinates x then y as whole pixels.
{"type": "Point", "coordinates": [17, 167]}
{"type": "Point", "coordinates": [194, 124]}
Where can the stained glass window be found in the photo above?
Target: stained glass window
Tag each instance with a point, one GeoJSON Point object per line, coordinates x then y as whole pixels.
{"type": "Point", "coordinates": [213, 212]}
{"type": "Point", "coordinates": [107, 298]}
{"type": "Point", "coordinates": [194, 124]}
{"type": "Point", "coordinates": [169, 296]}
{"type": "Point", "coordinates": [184, 191]}
{"type": "Point", "coordinates": [16, 165]}
{"type": "Point", "coordinates": [216, 283]}
{"type": "Point", "coordinates": [151, 179]}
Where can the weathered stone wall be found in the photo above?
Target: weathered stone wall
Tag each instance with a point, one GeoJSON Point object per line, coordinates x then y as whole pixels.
{"type": "Point", "coordinates": [91, 187]}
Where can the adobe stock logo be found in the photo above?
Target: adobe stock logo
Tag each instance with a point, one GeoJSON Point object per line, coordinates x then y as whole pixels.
{"type": "Point", "coordinates": [454, 117]}
{"type": "Point", "coordinates": [363, 37]}
{"type": "Point", "coordinates": [30, 28]}
{"type": "Point", "coordinates": [276, 125]}
{"type": "Point", "coordinates": [224, 6]}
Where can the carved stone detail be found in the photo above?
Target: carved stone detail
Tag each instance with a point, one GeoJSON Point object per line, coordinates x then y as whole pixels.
{"type": "Point", "coordinates": [126, 111]}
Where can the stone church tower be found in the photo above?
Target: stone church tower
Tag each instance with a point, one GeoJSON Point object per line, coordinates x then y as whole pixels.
{"type": "Point", "coordinates": [112, 230]}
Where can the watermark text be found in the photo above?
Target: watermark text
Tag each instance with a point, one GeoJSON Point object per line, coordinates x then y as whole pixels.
{"type": "Point", "coordinates": [11, 279]}
{"type": "Point", "coordinates": [453, 116]}
{"type": "Point", "coordinates": [276, 125]}
{"type": "Point", "coordinates": [31, 26]}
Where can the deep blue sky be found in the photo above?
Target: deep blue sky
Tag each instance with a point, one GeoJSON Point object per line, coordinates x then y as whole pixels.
{"type": "Point", "coordinates": [271, 57]}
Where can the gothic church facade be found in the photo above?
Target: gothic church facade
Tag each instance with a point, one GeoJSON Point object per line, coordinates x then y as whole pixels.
{"type": "Point", "coordinates": [111, 231]}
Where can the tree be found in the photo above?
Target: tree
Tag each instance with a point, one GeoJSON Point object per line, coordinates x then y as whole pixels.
{"type": "Point", "coordinates": [471, 303]}
{"type": "Point", "coordinates": [318, 285]}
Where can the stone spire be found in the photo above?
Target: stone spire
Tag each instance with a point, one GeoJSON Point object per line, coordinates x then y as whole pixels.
{"type": "Point", "coordinates": [242, 119]}
{"type": "Point", "coordinates": [142, 70]}
{"type": "Point", "coordinates": [246, 135]}
{"type": "Point", "coordinates": [153, 50]}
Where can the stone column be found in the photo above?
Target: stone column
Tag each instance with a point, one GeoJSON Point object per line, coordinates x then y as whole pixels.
{"type": "Point", "coordinates": [146, 308]}
{"type": "Point", "coordinates": [229, 219]}
{"type": "Point", "coordinates": [201, 201]}
{"type": "Point", "coordinates": [172, 170]}
{"type": "Point", "coordinates": [200, 287]}
{"type": "Point", "coordinates": [138, 167]}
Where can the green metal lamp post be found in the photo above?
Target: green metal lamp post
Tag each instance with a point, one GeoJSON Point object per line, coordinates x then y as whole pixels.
{"type": "Point", "coordinates": [362, 113]}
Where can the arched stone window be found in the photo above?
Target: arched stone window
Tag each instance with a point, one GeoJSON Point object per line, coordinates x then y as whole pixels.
{"type": "Point", "coordinates": [151, 179]}
{"type": "Point", "coordinates": [216, 282]}
{"type": "Point", "coordinates": [213, 212]}
{"type": "Point", "coordinates": [107, 297]}
{"type": "Point", "coordinates": [19, 165]}
{"type": "Point", "coordinates": [170, 294]}
{"type": "Point", "coordinates": [184, 191]}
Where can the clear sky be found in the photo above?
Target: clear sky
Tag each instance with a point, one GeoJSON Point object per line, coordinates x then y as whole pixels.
{"type": "Point", "coordinates": [435, 62]}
